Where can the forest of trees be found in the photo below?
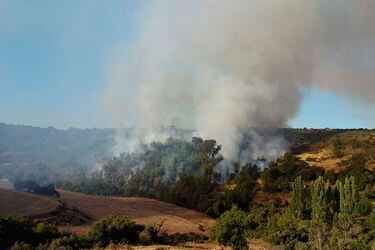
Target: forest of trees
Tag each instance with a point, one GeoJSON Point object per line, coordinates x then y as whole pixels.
{"type": "Point", "coordinates": [320, 216]}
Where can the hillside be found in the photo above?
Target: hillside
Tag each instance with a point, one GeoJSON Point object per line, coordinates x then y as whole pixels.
{"type": "Point", "coordinates": [142, 210]}
{"type": "Point", "coordinates": [332, 152]}
{"type": "Point", "coordinates": [25, 204]}
{"type": "Point", "coordinates": [25, 150]}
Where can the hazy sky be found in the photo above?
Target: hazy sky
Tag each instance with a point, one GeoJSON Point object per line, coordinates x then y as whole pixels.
{"type": "Point", "coordinates": [53, 57]}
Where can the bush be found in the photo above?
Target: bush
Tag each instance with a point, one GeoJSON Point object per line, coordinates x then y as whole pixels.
{"type": "Point", "coordinates": [370, 221]}
{"type": "Point", "coordinates": [153, 232]}
{"type": "Point", "coordinates": [230, 229]}
{"type": "Point", "coordinates": [67, 242]}
{"type": "Point", "coordinates": [364, 207]}
{"type": "Point", "coordinates": [21, 246]}
{"type": "Point", "coordinates": [288, 231]}
{"type": "Point", "coordinates": [337, 148]}
{"type": "Point", "coordinates": [45, 232]}
{"type": "Point", "coordinates": [115, 229]}
{"type": "Point", "coordinates": [371, 195]}
{"type": "Point", "coordinates": [13, 230]}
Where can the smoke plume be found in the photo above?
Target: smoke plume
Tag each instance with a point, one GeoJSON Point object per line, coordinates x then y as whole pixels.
{"type": "Point", "coordinates": [219, 68]}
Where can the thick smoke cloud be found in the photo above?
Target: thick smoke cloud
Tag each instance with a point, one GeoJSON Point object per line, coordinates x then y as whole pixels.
{"type": "Point", "coordinates": [222, 67]}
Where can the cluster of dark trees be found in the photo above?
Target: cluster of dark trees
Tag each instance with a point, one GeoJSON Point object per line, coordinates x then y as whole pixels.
{"type": "Point", "coordinates": [33, 187]}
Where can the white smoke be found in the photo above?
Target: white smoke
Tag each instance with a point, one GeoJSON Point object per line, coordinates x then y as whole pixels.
{"type": "Point", "coordinates": [221, 67]}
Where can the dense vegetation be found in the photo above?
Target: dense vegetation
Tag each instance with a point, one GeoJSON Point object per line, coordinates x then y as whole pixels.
{"type": "Point", "coordinates": [326, 209]}
{"type": "Point", "coordinates": [320, 216]}
{"type": "Point", "coordinates": [20, 234]}
{"type": "Point", "coordinates": [33, 187]}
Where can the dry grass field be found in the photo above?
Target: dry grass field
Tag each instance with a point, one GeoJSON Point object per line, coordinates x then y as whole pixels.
{"type": "Point", "coordinates": [142, 210]}
{"type": "Point", "coordinates": [25, 204]}
{"type": "Point", "coordinates": [354, 142]}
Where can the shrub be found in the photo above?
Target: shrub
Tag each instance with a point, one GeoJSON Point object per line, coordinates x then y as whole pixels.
{"type": "Point", "coordinates": [115, 229]}
{"type": "Point", "coordinates": [45, 232]}
{"type": "Point", "coordinates": [370, 221]}
{"type": "Point", "coordinates": [371, 195]}
{"type": "Point", "coordinates": [67, 242]}
{"type": "Point", "coordinates": [153, 232]}
{"type": "Point", "coordinates": [21, 246]}
{"type": "Point", "coordinates": [24, 232]}
{"type": "Point", "coordinates": [230, 229]}
{"type": "Point", "coordinates": [364, 207]}
{"type": "Point", "coordinates": [288, 231]}
{"type": "Point", "coordinates": [13, 230]}
{"type": "Point", "coordinates": [337, 148]}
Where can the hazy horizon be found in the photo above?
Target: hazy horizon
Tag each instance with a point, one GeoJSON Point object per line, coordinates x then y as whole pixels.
{"type": "Point", "coordinates": [58, 59]}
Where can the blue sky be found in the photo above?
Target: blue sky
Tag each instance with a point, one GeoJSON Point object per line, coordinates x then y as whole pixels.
{"type": "Point", "coordinates": [52, 66]}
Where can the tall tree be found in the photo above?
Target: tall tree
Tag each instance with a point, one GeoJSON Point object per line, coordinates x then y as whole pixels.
{"type": "Point", "coordinates": [348, 195]}
{"type": "Point", "coordinates": [319, 195]}
{"type": "Point", "coordinates": [207, 157]}
{"type": "Point", "coordinates": [297, 201]}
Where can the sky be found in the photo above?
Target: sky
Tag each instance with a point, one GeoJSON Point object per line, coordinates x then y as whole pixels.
{"type": "Point", "coordinates": [53, 57]}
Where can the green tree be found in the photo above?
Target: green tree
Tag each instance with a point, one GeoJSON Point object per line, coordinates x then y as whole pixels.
{"type": "Point", "coordinates": [245, 187]}
{"type": "Point", "coordinates": [337, 147]}
{"type": "Point", "coordinates": [207, 158]}
{"type": "Point", "coordinates": [319, 191]}
{"type": "Point", "coordinates": [115, 229]}
{"type": "Point", "coordinates": [348, 196]}
{"type": "Point", "coordinates": [297, 198]}
{"type": "Point", "coordinates": [230, 229]}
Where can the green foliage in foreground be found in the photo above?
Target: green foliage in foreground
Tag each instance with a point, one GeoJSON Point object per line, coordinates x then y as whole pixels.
{"type": "Point", "coordinates": [310, 222]}
{"type": "Point", "coordinates": [230, 229]}
{"type": "Point", "coordinates": [114, 229]}
{"type": "Point", "coordinates": [15, 229]}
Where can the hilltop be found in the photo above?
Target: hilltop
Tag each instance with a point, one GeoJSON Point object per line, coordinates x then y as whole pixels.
{"type": "Point", "coordinates": [332, 152]}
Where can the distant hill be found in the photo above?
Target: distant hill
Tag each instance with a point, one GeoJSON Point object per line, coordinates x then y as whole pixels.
{"type": "Point", "coordinates": [26, 150]}
{"type": "Point", "coordinates": [47, 154]}
{"type": "Point", "coordinates": [332, 152]}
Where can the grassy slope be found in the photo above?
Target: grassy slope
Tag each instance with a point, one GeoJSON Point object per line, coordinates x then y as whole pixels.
{"type": "Point", "coordinates": [142, 210]}
{"type": "Point", "coordinates": [24, 204]}
{"type": "Point", "coordinates": [354, 142]}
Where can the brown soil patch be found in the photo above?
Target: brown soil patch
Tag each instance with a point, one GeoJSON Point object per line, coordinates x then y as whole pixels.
{"type": "Point", "coordinates": [142, 210]}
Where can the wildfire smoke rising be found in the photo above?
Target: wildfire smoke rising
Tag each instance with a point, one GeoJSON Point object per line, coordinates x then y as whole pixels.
{"type": "Point", "coordinates": [219, 68]}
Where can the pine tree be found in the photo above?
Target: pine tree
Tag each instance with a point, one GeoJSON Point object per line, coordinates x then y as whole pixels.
{"type": "Point", "coordinates": [348, 195]}
{"type": "Point", "coordinates": [297, 204]}
{"type": "Point", "coordinates": [319, 195]}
